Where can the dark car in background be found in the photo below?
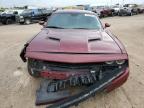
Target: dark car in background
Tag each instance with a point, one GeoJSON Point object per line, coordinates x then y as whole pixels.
{"type": "Point", "coordinates": [29, 16]}
{"type": "Point", "coordinates": [140, 9]}
{"type": "Point", "coordinates": [104, 11]}
{"type": "Point", "coordinates": [10, 16]}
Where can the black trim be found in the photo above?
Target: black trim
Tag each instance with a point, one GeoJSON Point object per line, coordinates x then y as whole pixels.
{"type": "Point", "coordinates": [90, 91]}
{"type": "Point", "coordinates": [74, 53]}
{"type": "Point", "coordinates": [23, 51]}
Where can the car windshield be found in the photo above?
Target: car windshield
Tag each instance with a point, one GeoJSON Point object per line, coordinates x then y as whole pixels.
{"type": "Point", "coordinates": [115, 6]}
{"type": "Point", "coordinates": [8, 12]}
{"type": "Point", "coordinates": [100, 7]}
{"type": "Point", "coordinates": [73, 21]}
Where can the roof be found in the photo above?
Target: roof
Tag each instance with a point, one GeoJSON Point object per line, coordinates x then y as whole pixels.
{"type": "Point", "coordinates": [74, 11]}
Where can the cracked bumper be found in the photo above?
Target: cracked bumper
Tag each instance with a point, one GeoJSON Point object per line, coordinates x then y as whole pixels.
{"type": "Point", "coordinates": [113, 80]}
{"type": "Point", "coordinates": [117, 82]}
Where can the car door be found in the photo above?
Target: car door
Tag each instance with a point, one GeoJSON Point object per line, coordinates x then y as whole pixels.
{"type": "Point", "coordinates": [36, 15]}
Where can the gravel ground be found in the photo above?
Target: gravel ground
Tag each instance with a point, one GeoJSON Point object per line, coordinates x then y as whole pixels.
{"type": "Point", "coordinates": [18, 88]}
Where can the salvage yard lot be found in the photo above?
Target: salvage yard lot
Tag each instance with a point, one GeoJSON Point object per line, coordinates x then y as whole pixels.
{"type": "Point", "coordinates": [17, 88]}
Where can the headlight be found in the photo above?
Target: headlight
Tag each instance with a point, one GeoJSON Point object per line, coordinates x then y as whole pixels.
{"type": "Point", "coordinates": [109, 62]}
{"type": "Point", "coordinates": [120, 62]}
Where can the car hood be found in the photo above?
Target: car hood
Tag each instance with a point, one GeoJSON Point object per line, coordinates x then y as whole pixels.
{"type": "Point", "coordinates": [73, 41]}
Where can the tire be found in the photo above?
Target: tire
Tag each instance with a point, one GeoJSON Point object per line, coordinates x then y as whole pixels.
{"type": "Point", "coordinates": [21, 23]}
{"type": "Point", "coordinates": [101, 15]}
{"type": "Point", "coordinates": [131, 14]}
{"type": "Point", "coordinates": [119, 14]}
{"type": "Point", "coordinates": [34, 74]}
{"type": "Point", "coordinates": [112, 14]}
{"type": "Point", "coordinates": [4, 23]}
{"type": "Point", "coordinates": [27, 21]}
{"type": "Point", "coordinates": [9, 21]}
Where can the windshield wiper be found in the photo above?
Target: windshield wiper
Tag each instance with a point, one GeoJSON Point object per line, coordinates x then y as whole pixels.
{"type": "Point", "coordinates": [54, 27]}
{"type": "Point", "coordinates": [79, 28]}
{"type": "Point", "coordinates": [86, 28]}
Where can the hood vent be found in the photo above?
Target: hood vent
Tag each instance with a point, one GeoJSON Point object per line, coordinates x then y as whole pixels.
{"type": "Point", "coordinates": [53, 38]}
{"type": "Point", "coordinates": [89, 40]}
{"type": "Point", "coordinates": [94, 39]}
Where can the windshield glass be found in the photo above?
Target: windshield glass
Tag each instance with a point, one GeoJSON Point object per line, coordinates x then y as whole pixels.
{"type": "Point", "coordinates": [74, 21]}
{"type": "Point", "coordinates": [115, 6]}
{"type": "Point", "coordinates": [8, 12]}
{"type": "Point", "coordinates": [100, 7]}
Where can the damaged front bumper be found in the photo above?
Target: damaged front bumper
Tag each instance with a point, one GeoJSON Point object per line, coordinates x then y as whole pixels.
{"type": "Point", "coordinates": [109, 82]}
{"type": "Point", "coordinates": [92, 90]}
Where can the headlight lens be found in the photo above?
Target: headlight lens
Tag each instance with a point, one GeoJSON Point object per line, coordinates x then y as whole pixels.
{"type": "Point", "coordinates": [120, 62]}
{"type": "Point", "coordinates": [109, 62]}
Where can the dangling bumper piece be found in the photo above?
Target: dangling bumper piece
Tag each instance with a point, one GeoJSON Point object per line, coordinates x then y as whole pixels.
{"type": "Point", "coordinates": [23, 51]}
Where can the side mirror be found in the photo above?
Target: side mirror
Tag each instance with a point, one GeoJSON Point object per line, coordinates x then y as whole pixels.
{"type": "Point", "coordinates": [41, 23]}
{"type": "Point", "coordinates": [107, 25]}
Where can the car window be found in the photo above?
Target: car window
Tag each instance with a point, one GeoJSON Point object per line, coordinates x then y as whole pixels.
{"type": "Point", "coordinates": [8, 12]}
{"type": "Point", "coordinates": [74, 21]}
{"type": "Point", "coordinates": [27, 11]}
{"type": "Point", "coordinates": [37, 11]}
{"type": "Point", "coordinates": [45, 11]}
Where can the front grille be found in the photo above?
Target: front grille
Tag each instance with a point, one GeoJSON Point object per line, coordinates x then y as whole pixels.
{"type": "Point", "coordinates": [69, 67]}
{"type": "Point", "coordinates": [55, 66]}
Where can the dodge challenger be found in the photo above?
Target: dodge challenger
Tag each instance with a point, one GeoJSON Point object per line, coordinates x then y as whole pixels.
{"type": "Point", "coordinates": [75, 49]}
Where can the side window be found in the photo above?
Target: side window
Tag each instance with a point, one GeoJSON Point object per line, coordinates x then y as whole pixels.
{"type": "Point", "coordinates": [37, 11]}
{"type": "Point", "coordinates": [40, 11]}
{"type": "Point", "coordinates": [46, 11]}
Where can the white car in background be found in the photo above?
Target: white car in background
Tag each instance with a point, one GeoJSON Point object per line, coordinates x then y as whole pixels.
{"type": "Point", "coordinates": [128, 9]}
{"type": "Point", "coordinates": [116, 9]}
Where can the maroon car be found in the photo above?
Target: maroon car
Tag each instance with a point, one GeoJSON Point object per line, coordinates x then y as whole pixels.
{"type": "Point", "coordinates": [75, 48]}
{"type": "Point", "coordinates": [104, 11]}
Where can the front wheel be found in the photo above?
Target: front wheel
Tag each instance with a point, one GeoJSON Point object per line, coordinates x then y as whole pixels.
{"type": "Point", "coordinates": [131, 14]}
{"type": "Point", "coordinates": [112, 14]}
{"type": "Point", "coordinates": [3, 22]}
{"type": "Point", "coordinates": [119, 14]}
{"type": "Point", "coordinates": [8, 21]}
{"type": "Point", "coordinates": [21, 23]}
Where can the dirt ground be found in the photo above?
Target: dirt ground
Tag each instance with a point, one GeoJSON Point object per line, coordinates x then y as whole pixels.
{"type": "Point", "coordinates": [17, 88]}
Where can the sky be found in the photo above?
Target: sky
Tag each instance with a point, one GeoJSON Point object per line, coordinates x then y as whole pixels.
{"type": "Point", "coordinates": [59, 3]}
